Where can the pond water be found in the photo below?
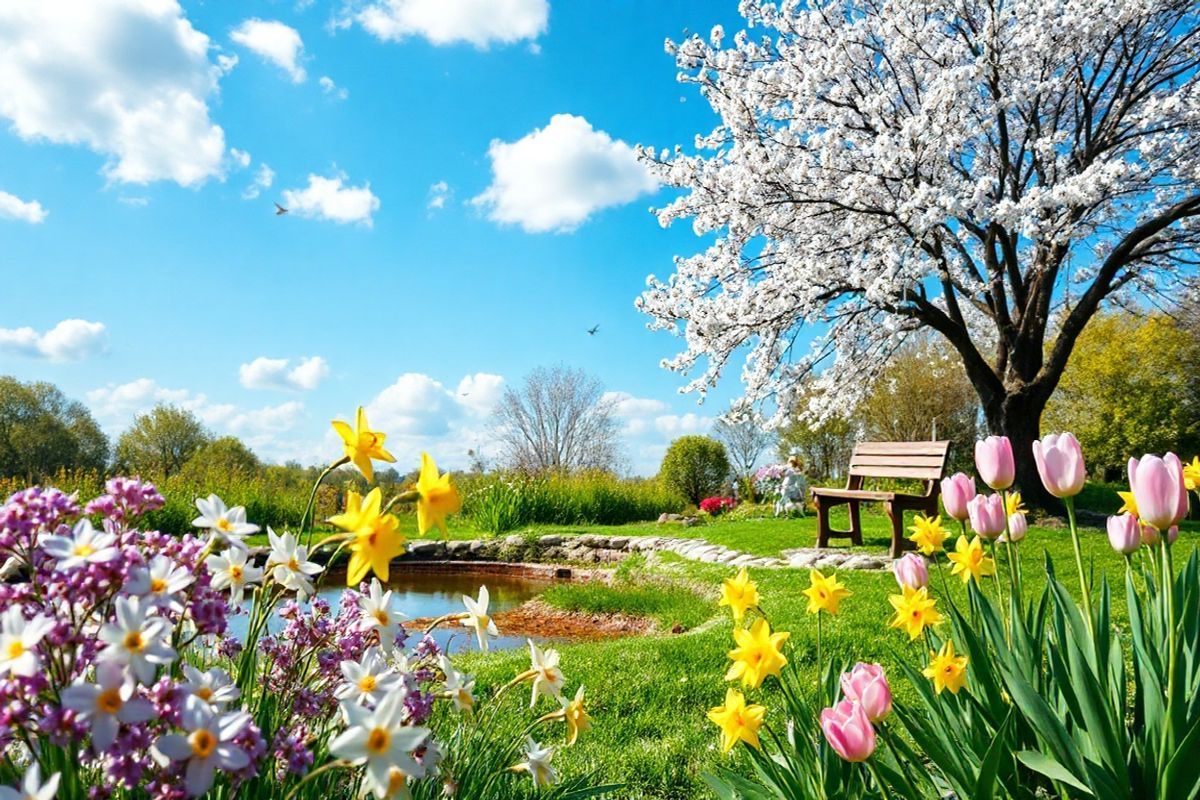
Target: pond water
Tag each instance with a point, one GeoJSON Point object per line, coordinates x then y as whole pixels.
{"type": "Point", "coordinates": [427, 594]}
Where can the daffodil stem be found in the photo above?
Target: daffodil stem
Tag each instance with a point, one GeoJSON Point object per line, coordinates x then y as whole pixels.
{"type": "Point", "coordinates": [332, 765]}
{"type": "Point", "coordinates": [403, 497]}
{"type": "Point", "coordinates": [1084, 589]}
{"type": "Point", "coordinates": [820, 665]}
{"type": "Point", "coordinates": [312, 498]}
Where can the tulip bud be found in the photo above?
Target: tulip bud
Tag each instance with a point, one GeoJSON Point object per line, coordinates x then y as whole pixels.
{"type": "Point", "coordinates": [911, 571]}
{"type": "Point", "coordinates": [994, 461]}
{"type": "Point", "coordinates": [848, 731]}
{"type": "Point", "coordinates": [1124, 533]}
{"type": "Point", "coordinates": [1060, 464]}
{"type": "Point", "coordinates": [1018, 526]}
{"type": "Point", "coordinates": [957, 491]}
{"type": "Point", "coordinates": [867, 685]}
{"type": "Point", "coordinates": [1158, 487]}
{"type": "Point", "coordinates": [987, 515]}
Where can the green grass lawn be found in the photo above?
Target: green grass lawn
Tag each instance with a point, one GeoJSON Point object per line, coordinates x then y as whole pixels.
{"type": "Point", "coordinates": [648, 695]}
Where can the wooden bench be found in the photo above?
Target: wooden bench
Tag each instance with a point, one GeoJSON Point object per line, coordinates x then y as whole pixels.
{"type": "Point", "coordinates": [924, 461]}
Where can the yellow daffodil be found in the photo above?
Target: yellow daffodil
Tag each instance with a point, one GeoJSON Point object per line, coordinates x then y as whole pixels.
{"type": "Point", "coordinates": [1014, 504]}
{"type": "Point", "coordinates": [737, 721]}
{"type": "Point", "coordinates": [1128, 503]}
{"type": "Point", "coordinates": [1191, 475]}
{"type": "Point", "coordinates": [757, 654]}
{"type": "Point", "coordinates": [969, 560]}
{"type": "Point", "coordinates": [824, 594]}
{"type": "Point", "coordinates": [438, 497]}
{"type": "Point", "coordinates": [740, 594]}
{"type": "Point", "coordinates": [577, 717]}
{"type": "Point", "coordinates": [362, 444]}
{"type": "Point", "coordinates": [374, 538]}
{"type": "Point", "coordinates": [946, 670]}
{"type": "Point", "coordinates": [928, 534]}
{"type": "Point", "coordinates": [915, 609]}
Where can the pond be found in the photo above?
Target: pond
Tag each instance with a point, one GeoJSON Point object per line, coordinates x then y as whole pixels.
{"type": "Point", "coordinates": [424, 594]}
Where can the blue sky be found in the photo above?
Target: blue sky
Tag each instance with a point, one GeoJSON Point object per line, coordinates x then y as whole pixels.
{"type": "Point", "coordinates": [464, 205]}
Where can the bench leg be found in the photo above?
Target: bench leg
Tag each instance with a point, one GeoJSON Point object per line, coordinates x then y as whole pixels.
{"type": "Point", "coordinates": [896, 514]}
{"type": "Point", "coordinates": [855, 523]}
{"type": "Point", "coordinates": [822, 524]}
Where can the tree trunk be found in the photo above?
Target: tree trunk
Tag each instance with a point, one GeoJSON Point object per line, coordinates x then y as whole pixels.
{"type": "Point", "coordinates": [1019, 416]}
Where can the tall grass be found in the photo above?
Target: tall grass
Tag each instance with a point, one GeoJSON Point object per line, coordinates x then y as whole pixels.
{"type": "Point", "coordinates": [501, 502]}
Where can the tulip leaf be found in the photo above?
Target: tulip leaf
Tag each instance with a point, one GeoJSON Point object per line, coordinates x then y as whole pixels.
{"type": "Point", "coordinates": [985, 785]}
{"type": "Point", "coordinates": [1052, 769]}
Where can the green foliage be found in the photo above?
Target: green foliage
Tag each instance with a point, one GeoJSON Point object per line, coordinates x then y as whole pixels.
{"type": "Point", "coordinates": [219, 458]}
{"type": "Point", "coordinates": [502, 502]}
{"type": "Point", "coordinates": [668, 603]}
{"type": "Point", "coordinates": [43, 432]}
{"type": "Point", "coordinates": [695, 467]}
{"type": "Point", "coordinates": [160, 442]}
{"type": "Point", "coordinates": [824, 449]}
{"type": "Point", "coordinates": [1132, 385]}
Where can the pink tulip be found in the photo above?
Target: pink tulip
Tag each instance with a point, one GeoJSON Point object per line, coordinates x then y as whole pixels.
{"type": "Point", "coordinates": [911, 571]}
{"type": "Point", "coordinates": [1060, 463]}
{"type": "Point", "coordinates": [957, 491]}
{"type": "Point", "coordinates": [1150, 536]}
{"type": "Point", "coordinates": [849, 731]}
{"type": "Point", "coordinates": [867, 685]}
{"type": "Point", "coordinates": [987, 515]}
{"type": "Point", "coordinates": [994, 460]}
{"type": "Point", "coordinates": [1018, 526]}
{"type": "Point", "coordinates": [1124, 533]}
{"type": "Point", "coordinates": [1158, 488]}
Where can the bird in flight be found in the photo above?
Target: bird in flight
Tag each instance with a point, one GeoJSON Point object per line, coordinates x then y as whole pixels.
{"type": "Point", "coordinates": [280, 210]}
{"type": "Point", "coordinates": [592, 330]}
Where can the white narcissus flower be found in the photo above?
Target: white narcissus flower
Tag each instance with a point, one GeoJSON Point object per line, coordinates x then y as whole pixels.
{"type": "Point", "coordinates": [85, 545]}
{"type": "Point", "coordinates": [477, 617]}
{"type": "Point", "coordinates": [548, 679]}
{"type": "Point", "coordinates": [231, 571]}
{"type": "Point", "coordinates": [19, 638]}
{"type": "Point", "coordinates": [158, 582]}
{"type": "Point", "coordinates": [106, 703]}
{"type": "Point", "coordinates": [31, 787]}
{"type": "Point", "coordinates": [289, 565]}
{"type": "Point", "coordinates": [227, 524]}
{"type": "Point", "coordinates": [396, 789]}
{"type": "Point", "coordinates": [381, 741]}
{"type": "Point", "coordinates": [459, 687]}
{"type": "Point", "coordinates": [207, 745]}
{"type": "Point", "coordinates": [213, 686]}
{"type": "Point", "coordinates": [378, 615]}
{"type": "Point", "coordinates": [368, 680]}
{"type": "Point", "coordinates": [136, 639]}
{"type": "Point", "coordinates": [537, 764]}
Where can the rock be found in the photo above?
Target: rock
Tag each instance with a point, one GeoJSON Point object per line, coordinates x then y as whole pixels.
{"type": "Point", "coordinates": [861, 562]}
{"type": "Point", "coordinates": [619, 542]}
{"type": "Point", "coordinates": [803, 560]}
{"type": "Point", "coordinates": [514, 540]}
{"type": "Point", "coordinates": [427, 549]}
{"type": "Point", "coordinates": [550, 540]}
{"type": "Point", "coordinates": [690, 521]}
{"type": "Point", "coordinates": [458, 548]}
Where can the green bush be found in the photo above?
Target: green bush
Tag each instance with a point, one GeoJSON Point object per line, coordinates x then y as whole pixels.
{"type": "Point", "coordinates": [502, 502]}
{"type": "Point", "coordinates": [695, 467]}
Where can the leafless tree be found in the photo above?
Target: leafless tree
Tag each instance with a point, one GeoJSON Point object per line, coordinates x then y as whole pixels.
{"type": "Point", "coordinates": [744, 437]}
{"type": "Point", "coordinates": [558, 419]}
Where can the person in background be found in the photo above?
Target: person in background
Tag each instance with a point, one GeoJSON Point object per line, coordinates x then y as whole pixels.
{"type": "Point", "coordinates": [793, 492]}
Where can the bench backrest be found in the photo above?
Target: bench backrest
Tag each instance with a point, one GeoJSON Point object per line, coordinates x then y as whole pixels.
{"type": "Point", "coordinates": [924, 461]}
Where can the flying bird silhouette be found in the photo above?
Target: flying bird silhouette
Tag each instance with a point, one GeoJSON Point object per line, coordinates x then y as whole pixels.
{"type": "Point", "coordinates": [592, 330]}
{"type": "Point", "coordinates": [280, 210]}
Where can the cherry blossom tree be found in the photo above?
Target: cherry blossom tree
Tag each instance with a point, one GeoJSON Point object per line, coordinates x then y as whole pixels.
{"type": "Point", "coordinates": [990, 171]}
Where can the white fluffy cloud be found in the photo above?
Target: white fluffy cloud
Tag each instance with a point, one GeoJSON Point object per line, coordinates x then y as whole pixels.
{"type": "Point", "coordinates": [263, 178]}
{"type": "Point", "coordinates": [648, 428]}
{"type": "Point", "coordinates": [477, 22]}
{"type": "Point", "coordinates": [275, 42]}
{"type": "Point", "coordinates": [130, 79]}
{"type": "Point", "coordinates": [13, 207]}
{"type": "Point", "coordinates": [278, 373]}
{"type": "Point", "coordinates": [69, 340]}
{"type": "Point", "coordinates": [439, 193]}
{"type": "Point", "coordinates": [330, 199]}
{"type": "Point", "coordinates": [332, 89]}
{"type": "Point", "coordinates": [554, 178]}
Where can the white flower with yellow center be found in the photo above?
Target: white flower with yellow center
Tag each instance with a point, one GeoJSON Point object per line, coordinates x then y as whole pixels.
{"type": "Point", "coordinates": [213, 686]}
{"type": "Point", "coordinates": [396, 789]}
{"type": "Point", "coordinates": [228, 525]}
{"type": "Point", "coordinates": [159, 582]}
{"type": "Point", "coordinates": [289, 565]}
{"type": "Point", "coordinates": [19, 638]}
{"type": "Point", "coordinates": [85, 545]}
{"type": "Point", "coordinates": [379, 740]}
{"type": "Point", "coordinates": [106, 703]}
{"type": "Point", "coordinates": [233, 571]}
{"type": "Point", "coordinates": [537, 764]}
{"type": "Point", "coordinates": [378, 615]}
{"type": "Point", "coordinates": [367, 680]}
{"type": "Point", "coordinates": [459, 687]}
{"type": "Point", "coordinates": [547, 677]}
{"type": "Point", "coordinates": [207, 744]}
{"type": "Point", "coordinates": [32, 787]}
{"type": "Point", "coordinates": [136, 640]}
{"type": "Point", "coordinates": [477, 617]}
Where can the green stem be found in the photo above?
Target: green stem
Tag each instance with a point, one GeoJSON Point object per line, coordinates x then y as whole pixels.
{"type": "Point", "coordinates": [820, 677]}
{"type": "Point", "coordinates": [1084, 589]}
{"type": "Point", "coordinates": [878, 780]}
{"type": "Point", "coordinates": [1168, 587]}
{"type": "Point", "coordinates": [312, 497]}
